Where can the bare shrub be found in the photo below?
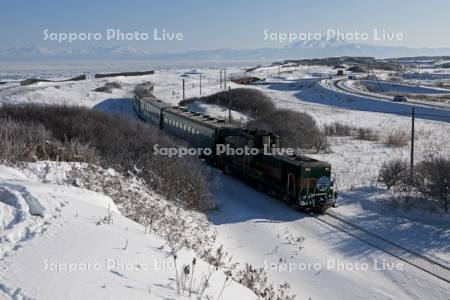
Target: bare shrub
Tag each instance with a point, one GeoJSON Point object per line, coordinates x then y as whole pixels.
{"type": "Point", "coordinates": [256, 280]}
{"type": "Point", "coordinates": [108, 87]}
{"type": "Point", "coordinates": [245, 100]}
{"type": "Point", "coordinates": [397, 139]}
{"type": "Point", "coordinates": [361, 133]}
{"type": "Point", "coordinates": [367, 134]}
{"type": "Point", "coordinates": [173, 231]}
{"type": "Point", "coordinates": [31, 141]}
{"type": "Point", "coordinates": [216, 260]}
{"type": "Point", "coordinates": [432, 180]}
{"type": "Point", "coordinates": [79, 151]}
{"type": "Point", "coordinates": [338, 129]}
{"type": "Point", "coordinates": [393, 172]}
{"type": "Point", "coordinates": [17, 138]}
{"type": "Point", "coordinates": [124, 145]}
{"type": "Point", "coordinates": [430, 183]}
{"type": "Point", "coordinates": [295, 129]}
{"type": "Point", "coordinates": [108, 219]}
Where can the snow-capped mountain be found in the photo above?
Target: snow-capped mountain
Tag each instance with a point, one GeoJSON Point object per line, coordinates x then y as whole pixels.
{"type": "Point", "coordinates": [324, 47]}
{"type": "Point", "coordinates": [26, 52]}
{"type": "Point", "coordinates": [119, 51]}
{"type": "Point", "coordinates": [318, 44]}
{"type": "Point", "coordinates": [41, 53]}
{"type": "Point", "coordinates": [302, 49]}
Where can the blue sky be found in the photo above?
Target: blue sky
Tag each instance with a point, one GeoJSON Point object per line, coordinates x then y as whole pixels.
{"type": "Point", "coordinates": [222, 24]}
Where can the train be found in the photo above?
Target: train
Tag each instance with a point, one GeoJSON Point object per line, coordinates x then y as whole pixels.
{"type": "Point", "coordinates": [302, 182]}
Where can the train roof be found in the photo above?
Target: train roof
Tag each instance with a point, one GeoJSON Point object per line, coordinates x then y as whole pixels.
{"type": "Point", "coordinates": [144, 90]}
{"type": "Point", "coordinates": [303, 161]}
{"type": "Point", "coordinates": [156, 102]}
{"type": "Point", "coordinates": [199, 118]}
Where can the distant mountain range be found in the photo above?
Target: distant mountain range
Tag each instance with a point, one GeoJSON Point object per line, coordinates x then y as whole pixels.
{"type": "Point", "coordinates": [299, 50]}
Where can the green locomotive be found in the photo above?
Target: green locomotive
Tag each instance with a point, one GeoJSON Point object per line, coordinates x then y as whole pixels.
{"type": "Point", "coordinates": [300, 181]}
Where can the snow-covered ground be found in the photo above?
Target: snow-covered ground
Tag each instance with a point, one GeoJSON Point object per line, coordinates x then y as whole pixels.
{"type": "Point", "coordinates": [254, 228]}
{"type": "Point", "coordinates": [56, 243]}
{"type": "Point", "coordinates": [329, 264]}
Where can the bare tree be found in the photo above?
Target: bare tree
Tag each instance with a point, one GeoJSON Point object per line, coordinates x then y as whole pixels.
{"type": "Point", "coordinates": [432, 179]}
{"type": "Point", "coordinates": [393, 172]}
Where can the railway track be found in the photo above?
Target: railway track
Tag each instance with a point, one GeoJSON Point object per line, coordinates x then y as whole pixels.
{"type": "Point", "coordinates": [438, 269]}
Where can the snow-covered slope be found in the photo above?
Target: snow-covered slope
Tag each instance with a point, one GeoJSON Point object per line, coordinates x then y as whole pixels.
{"type": "Point", "coordinates": [57, 243]}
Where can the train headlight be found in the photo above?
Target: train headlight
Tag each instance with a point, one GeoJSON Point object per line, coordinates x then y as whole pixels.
{"type": "Point", "coordinates": [323, 183]}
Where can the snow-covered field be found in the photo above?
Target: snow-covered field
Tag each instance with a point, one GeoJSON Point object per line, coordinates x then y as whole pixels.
{"type": "Point", "coordinates": [253, 228]}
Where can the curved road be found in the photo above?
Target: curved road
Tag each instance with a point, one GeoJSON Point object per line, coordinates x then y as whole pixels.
{"type": "Point", "coordinates": [378, 103]}
{"type": "Point", "coordinates": [340, 84]}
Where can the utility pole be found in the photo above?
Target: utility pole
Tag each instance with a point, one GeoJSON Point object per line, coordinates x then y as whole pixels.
{"type": "Point", "coordinates": [368, 70]}
{"type": "Point", "coordinates": [183, 88]}
{"type": "Point", "coordinates": [412, 146]}
{"type": "Point", "coordinates": [200, 85]}
{"type": "Point", "coordinates": [229, 105]}
{"type": "Point", "coordinates": [376, 77]}
{"type": "Point", "coordinates": [224, 78]}
{"type": "Point", "coordinates": [220, 79]}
